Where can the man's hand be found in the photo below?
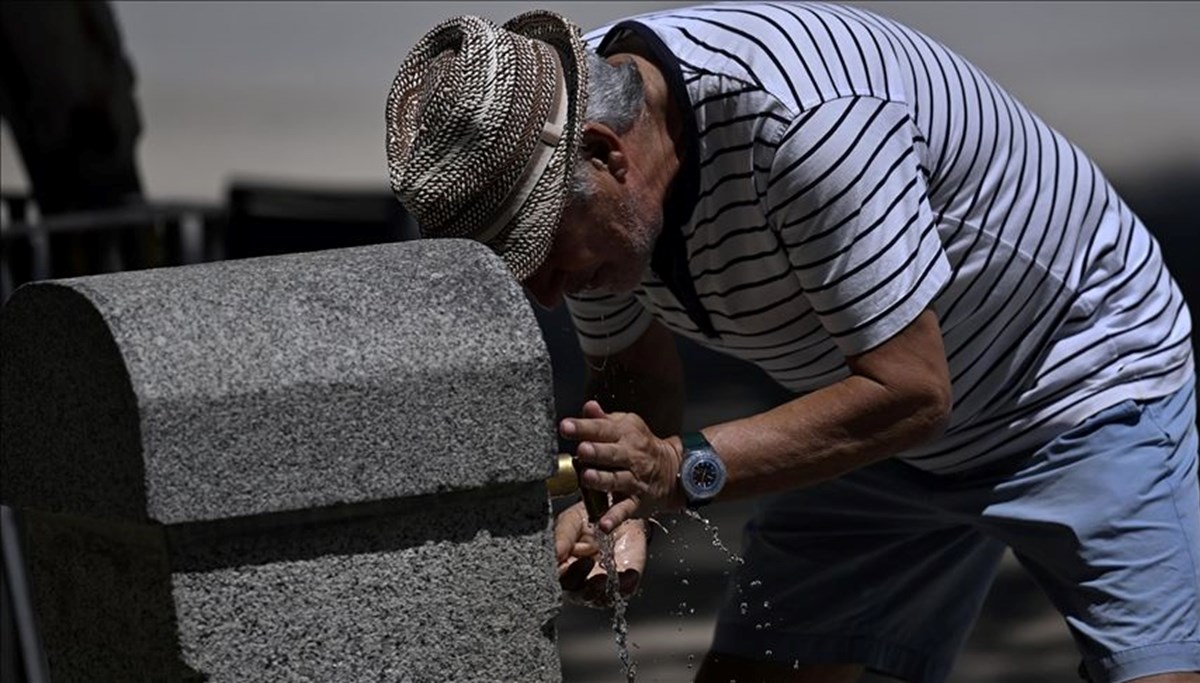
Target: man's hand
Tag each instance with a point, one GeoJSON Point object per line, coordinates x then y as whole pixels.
{"type": "Point", "coordinates": [625, 458]}
{"type": "Point", "coordinates": [579, 571]}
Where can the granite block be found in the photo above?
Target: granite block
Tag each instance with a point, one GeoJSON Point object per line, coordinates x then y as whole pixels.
{"type": "Point", "coordinates": [102, 593]}
{"type": "Point", "coordinates": [280, 383]}
{"type": "Point", "coordinates": [455, 587]}
{"type": "Point", "coordinates": [325, 466]}
{"type": "Point", "coordinates": [69, 434]}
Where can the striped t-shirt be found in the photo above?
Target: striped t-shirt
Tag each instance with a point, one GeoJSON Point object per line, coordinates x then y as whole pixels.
{"type": "Point", "coordinates": [842, 174]}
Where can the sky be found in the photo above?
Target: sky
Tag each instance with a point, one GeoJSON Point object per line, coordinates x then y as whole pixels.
{"type": "Point", "coordinates": [295, 91]}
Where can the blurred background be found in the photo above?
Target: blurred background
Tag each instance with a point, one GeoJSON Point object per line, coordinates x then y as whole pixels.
{"type": "Point", "coordinates": [213, 130]}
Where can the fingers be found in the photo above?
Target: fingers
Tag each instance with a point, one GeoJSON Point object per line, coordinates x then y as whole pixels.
{"type": "Point", "coordinates": [596, 425]}
{"type": "Point", "coordinates": [592, 590]}
{"type": "Point", "coordinates": [629, 546]}
{"type": "Point", "coordinates": [617, 514]}
{"type": "Point", "coordinates": [571, 529]}
{"type": "Point", "coordinates": [593, 410]}
{"type": "Point", "coordinates": [590, 429]}
{"type": "Point", "coordinates": [595, 591]}
{"type": "Point", "coordinates": [629, 580]}
{"type": "Point", "coordinates": [603, 455]}
{"type": "Point", "coordinates": [595, 453]}
{"type": "Point", "coordinates": [621, 481]}
{"type": "Point", "coordinates": [632, 537]}
{"type": "Point", "coordinates": [584, 579]}
{"type": "Point", "coordinates": [573, 574]}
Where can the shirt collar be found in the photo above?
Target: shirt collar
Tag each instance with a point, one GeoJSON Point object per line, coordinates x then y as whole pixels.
{"type": "Point", "coordinates": [670, 260]}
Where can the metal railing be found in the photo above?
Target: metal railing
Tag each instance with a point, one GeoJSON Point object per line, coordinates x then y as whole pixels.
{"type": "Point", "coordinates": [133, 237]}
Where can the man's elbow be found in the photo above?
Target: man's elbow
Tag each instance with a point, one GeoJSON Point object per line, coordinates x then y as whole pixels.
{"type": "Point", "coordinates": [932, 405]}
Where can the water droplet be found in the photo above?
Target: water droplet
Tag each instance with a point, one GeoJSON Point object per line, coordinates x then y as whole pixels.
{"type": "Point", "coordinates": [716, 539]}
{"type": "Point", "coordinates": [767, 604]}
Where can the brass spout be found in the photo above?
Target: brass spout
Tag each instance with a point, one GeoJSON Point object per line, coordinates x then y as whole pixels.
{"type": "Point", "coordinates": [565, 481]}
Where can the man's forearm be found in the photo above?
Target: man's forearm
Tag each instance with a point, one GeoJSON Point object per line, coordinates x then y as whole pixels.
{"type": "Point", "coordinates": [897, 397]}
{"type": "Point", "coordinates": [828, 433]}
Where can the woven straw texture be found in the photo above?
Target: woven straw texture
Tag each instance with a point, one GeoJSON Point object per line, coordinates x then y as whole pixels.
{"type": "Point", "coordinates": [465, 115]}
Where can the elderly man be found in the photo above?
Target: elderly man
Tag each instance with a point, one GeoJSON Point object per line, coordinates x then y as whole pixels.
{"type": "Point", "coordinates": [985, 347]}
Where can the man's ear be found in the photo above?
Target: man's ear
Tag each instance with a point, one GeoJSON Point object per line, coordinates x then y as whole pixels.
{"type": "Point", "coordinates": [604, 150]}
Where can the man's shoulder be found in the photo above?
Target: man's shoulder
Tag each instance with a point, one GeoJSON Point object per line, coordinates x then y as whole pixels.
{"type": "Point", "coordinates": [737, 46]}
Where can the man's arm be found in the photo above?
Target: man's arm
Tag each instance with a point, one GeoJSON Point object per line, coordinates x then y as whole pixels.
{"type": "Point", "coordinates": [898, 396]}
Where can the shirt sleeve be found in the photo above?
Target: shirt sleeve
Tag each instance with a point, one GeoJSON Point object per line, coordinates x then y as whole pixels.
{"type": "Point", "coordinates": [607, 323]}
{"type": "Point", "coordinates": [848, 197]}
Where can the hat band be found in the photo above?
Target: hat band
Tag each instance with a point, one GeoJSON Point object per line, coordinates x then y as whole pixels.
{"type": "Point", "coordinates": [535, 168]}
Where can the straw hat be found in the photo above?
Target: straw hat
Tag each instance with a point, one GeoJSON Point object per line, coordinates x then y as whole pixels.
{"type": "Point", "coordinates": [483, 124]}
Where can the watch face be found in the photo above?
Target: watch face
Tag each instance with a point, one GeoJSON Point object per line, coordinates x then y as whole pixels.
{"type": "Point", "coordinates": [703, 476]}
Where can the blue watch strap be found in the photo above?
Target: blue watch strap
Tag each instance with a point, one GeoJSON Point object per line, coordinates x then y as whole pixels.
{"type": "Point", "coordinates": [694, 441]}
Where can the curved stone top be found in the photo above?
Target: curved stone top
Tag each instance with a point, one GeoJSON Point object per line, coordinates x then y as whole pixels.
{"type": "Point", "coordinates": [273, 384]}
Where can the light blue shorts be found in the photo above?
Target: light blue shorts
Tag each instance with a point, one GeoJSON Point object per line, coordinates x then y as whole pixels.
{"type": "Point", "coordinates": [888, 566]}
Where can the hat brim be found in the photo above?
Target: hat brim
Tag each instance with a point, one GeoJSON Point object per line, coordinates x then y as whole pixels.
{"type": "Point", "coordinates": [526, 241]}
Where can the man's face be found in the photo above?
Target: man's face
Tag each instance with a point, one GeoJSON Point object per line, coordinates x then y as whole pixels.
{"type": "Point", "coordinates": [602, 244]}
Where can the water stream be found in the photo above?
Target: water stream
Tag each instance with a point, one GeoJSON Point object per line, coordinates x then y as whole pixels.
{"type": "Point", "coordinates": [612, 587]}
{"type": "Point", "coordinates": [620, 626]}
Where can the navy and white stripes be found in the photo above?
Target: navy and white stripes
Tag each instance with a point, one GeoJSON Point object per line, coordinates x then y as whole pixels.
{"type": "Point", "coordinates": [853, 172]}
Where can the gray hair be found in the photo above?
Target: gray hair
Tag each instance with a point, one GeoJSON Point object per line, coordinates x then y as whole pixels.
{"type": "Point", "coordinates": [616, 98]}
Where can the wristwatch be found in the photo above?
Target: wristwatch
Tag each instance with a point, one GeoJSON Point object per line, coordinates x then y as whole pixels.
{"type": "Point", "coordinates": [702, 472]}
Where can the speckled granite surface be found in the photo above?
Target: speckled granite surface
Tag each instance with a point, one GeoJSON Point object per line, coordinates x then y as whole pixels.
{"type": "Point", "coordinates": [336, 459]}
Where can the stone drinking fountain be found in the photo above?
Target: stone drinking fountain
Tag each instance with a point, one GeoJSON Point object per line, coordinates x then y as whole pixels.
{"type": "Point", "coordinates": [327, 466]}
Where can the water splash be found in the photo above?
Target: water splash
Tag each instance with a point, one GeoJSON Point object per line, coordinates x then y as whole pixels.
{"type": "Point", "coordinates": [620, 626]}
{"type": "Point", "coordinates": [716, 539]}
